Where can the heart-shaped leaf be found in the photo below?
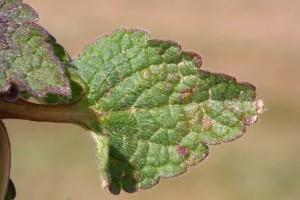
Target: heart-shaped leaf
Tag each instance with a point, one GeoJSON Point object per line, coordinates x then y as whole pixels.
{"type": "Point", "coordinates": [157, 110]}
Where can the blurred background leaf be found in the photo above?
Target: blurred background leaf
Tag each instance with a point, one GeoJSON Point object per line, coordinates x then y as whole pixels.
{"type": "Point", "coordinates": [11, 191]}
{"type": "Point", "coordinates": [256, 41]}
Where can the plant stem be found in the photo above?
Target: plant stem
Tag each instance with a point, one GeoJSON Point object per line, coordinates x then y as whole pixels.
{"type": "Point", "coordinates": [4, 161]}
{"type": "Point", "coordinates": [70, 113]}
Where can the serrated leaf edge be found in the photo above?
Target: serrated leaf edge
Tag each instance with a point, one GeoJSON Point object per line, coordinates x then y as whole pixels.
{"type": "Point", "coordinates": [259, 105]}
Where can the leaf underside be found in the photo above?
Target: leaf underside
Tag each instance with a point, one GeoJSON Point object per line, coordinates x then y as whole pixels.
{"type": "Point", "coordinates": [157, 111]}
{"type": "Point", "coordinates": [29, 57]}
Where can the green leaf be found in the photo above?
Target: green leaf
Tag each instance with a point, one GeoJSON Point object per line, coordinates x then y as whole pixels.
{"type": "Point", "coordinates": [77, 86]}
{"type": "Point", "coordinates": [29, 57]}
{"type": "Point", "coordinates": [157, 111]}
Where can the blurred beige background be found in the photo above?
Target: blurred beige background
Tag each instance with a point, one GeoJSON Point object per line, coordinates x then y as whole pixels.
{"type": "Point", "coordinates": [256, 41]}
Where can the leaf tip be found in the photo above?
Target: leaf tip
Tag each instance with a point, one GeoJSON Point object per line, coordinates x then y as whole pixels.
{"type": "Point", "coordinates": [260, 106]}
{"type": "Point", "coordinates": [260, 109]}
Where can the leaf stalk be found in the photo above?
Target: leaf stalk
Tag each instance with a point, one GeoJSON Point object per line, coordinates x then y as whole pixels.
{"type": "Point", "coordinates": [69, 113]}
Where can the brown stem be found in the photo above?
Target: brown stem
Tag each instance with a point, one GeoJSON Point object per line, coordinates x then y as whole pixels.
{"type": "Point", "coordinates": [71, 113]}
{"type": "Point", "coordinates": [4, 160]}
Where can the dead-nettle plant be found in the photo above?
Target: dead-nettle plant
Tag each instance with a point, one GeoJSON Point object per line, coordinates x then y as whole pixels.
{"type": "Point", "coordinates": [151, 109]}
